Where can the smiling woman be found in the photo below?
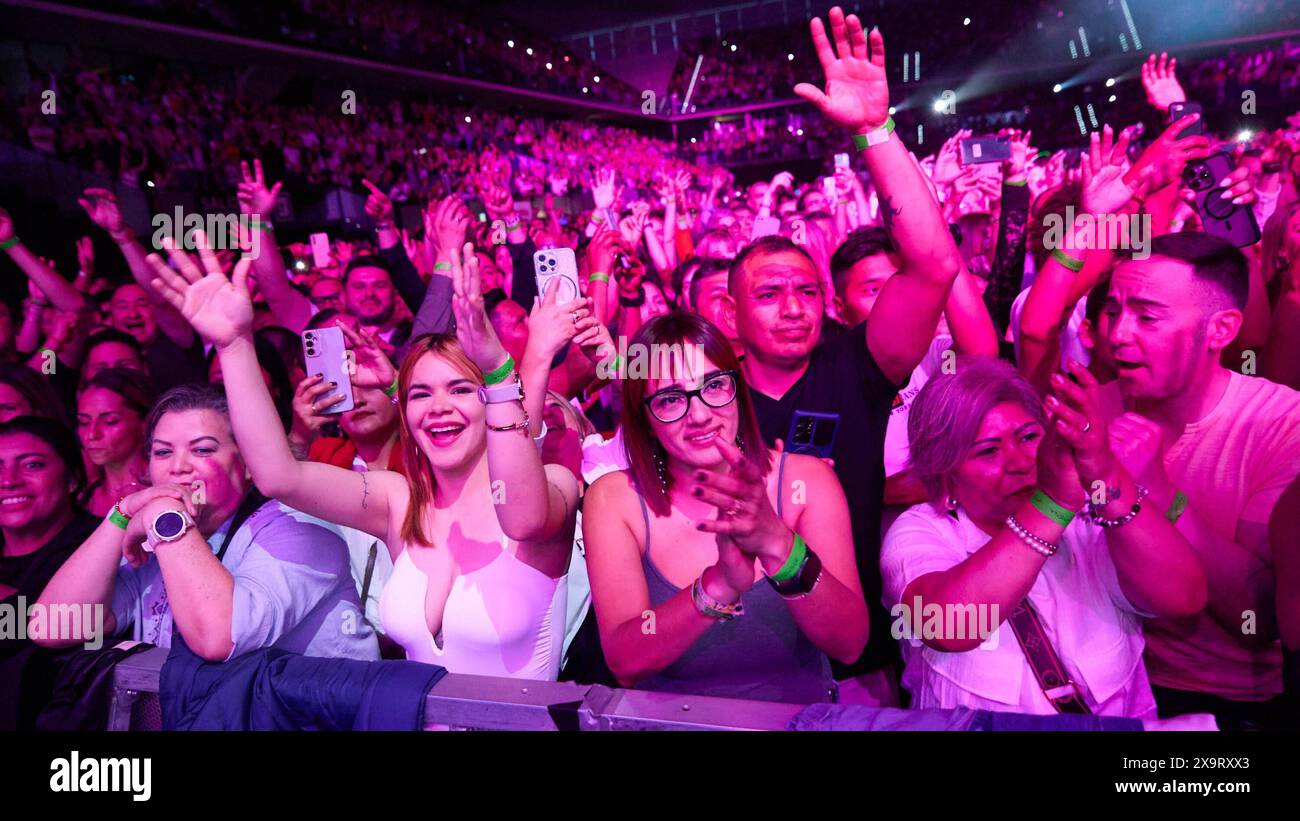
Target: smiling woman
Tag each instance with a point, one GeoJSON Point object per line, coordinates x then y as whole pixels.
{"type": "Point", "coordinates": [681, 611]}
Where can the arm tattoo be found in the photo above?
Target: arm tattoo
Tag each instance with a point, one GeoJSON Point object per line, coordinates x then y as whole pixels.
{"type": "Point", "coordinates": [365, 490]}
{"type": "Point", "coordinates": [888, 212]}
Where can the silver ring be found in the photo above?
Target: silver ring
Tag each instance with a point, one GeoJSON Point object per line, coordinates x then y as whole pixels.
{"type": "Point", "coordinates": [733, 511]}
{"type": "Point", "coordinates": [1087, 427]}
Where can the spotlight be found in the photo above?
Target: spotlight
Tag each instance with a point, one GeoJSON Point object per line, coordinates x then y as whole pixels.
{"type": "Point", "coordinates": [548, 66]}
{"type": "Point", "coordinates": [892, 110]}
{"type": "Point", "coordinates": [585, 90]}
{"type": "Point", "coordinates": [940, 105]}
{"type": "Point", "coordinates": [510, 43]}
{"type": "Point", "coordinates": [467, 119]}
{"type": "Point", "coordinates": [529, 51]}
{"type": "Point", "coordinates": [1243, 136]}
{"type": "Point", "coordinates": [799, 133]}
{"type": "Point", "coordinates": [1056, 89]}
{"type": "Point", "coordinates": [966, 22]}
{"type": "Point", "coordinates": [1111, 99]}
{"type": "Point", "coordinates": [733, 46]}
{"type": "Point", "coordinates": [789, 56]}
{"type": "Point", "coordinates": [149, 183]}
{"type": "Point", "coordinates": [1110, 82]}
{"type": "Point", "coordinates": [596, 79]}
{"type": "Point", "coordinates": [692, 139]}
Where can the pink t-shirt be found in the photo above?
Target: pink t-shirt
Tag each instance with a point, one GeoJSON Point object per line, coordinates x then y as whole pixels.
{"type": "Point", "coordinates": [1233, 465]}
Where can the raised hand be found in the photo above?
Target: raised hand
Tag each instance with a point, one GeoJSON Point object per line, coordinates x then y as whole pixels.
{"type": "Point", "coordinates": [220, 309]}
{"type": "Point", "coordinates": [857, 90]}
{"type": "Point", "coordinates": [1015, 168]}
{"type": "Point", "coordinates": [552, 324]}
{"type": "Point", "coordinates": [100, 205]}
{"type": "Point", "coordinates": [253, 195]}
{"type": "Point", "coordinates": [595, 341]}
{"type": "Point", "coordinates": [473, 329]}
{"type": "Point", "coordinates": [1161, 83]}
{"type": "Point", "coordinates": [497, 200]}
{"type": "Point", "coordinates": [602, 189]}
{"type": "Point", "coordinates": [378, 206]}
{"type": "Point", "coordinates": [372, 367]}
{"type": "Point", "coordinates": [1167, 154]}
{"type": "Point", "coordinates": [86, 255]}
{"type": "Point", "coordinates": [1104, 169]}
{"type": "Point", "coordinates": [446, 222]}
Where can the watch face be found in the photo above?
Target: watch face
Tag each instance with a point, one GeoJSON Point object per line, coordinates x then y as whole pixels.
{"type": "Point", "coordinates": [169, 525]}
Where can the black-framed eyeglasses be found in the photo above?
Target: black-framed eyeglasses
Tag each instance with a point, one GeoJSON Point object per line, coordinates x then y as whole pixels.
{"type": "Point", "coordinates": [671, 404]}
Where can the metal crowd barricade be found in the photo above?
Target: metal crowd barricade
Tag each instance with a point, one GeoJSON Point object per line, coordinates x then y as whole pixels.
{"type": "Point", "coordinates": [489, 703]}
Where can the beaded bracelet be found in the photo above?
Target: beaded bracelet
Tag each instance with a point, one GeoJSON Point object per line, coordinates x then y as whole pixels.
{"type": "Point", "coordinates": [1094, 513]}
{"type": "Point", "coordinates": [1041, 546]}
{"type": "Point", "coordinates": [711, 607]}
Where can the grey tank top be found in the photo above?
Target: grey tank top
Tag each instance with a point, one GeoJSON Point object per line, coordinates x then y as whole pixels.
{"type": "Point", "coordinates": [762, 655]}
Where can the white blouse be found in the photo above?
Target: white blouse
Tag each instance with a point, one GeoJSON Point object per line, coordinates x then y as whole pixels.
{"type": "Point", "coordinates": [1096, 632]}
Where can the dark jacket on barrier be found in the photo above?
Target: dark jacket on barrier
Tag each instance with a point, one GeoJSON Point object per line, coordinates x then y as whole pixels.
{"type": "Point", "coordinates": [273, 689]}
{"type": "Point", "coordinates": [855, 717]}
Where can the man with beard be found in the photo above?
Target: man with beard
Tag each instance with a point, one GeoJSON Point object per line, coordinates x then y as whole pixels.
{"type": "Point", "coordinates": [368, 295]}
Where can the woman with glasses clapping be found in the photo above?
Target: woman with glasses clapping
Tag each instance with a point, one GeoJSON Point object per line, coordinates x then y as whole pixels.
{"type": "Point", "coordinates": [718, 566]}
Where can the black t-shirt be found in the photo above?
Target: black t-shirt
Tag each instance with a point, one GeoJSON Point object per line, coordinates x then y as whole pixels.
{"type": "Point", "coordinates": [843, 378]}
{"type": "Point", "coordinates": [27, 671]}
{"type": "Point", "coordinates": [171, 365]}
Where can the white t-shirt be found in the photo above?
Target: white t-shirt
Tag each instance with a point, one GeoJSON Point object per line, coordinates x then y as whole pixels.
{"type": "Point", "coordinates": [896, 444]}
{"type": "Point", "coordinates": [1071, 348]}
{"type": "Point", "coordinates": [1096, 632]}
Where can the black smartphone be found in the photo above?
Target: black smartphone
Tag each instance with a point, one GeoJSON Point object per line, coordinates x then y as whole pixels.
{"type": "Point", "coordinates": [1179, 110]}
{"type": "Point", "coordinates": [813, 433]}
{"type": "Point", "coordinates": [977, 150]}
{"type": "Point", "coordinates": [1220, 217]}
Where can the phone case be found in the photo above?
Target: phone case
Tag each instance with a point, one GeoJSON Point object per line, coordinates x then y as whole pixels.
{"type": "Point", "coordinates": [320, 250]}
{"type": "Point", "coordinates": [813, 433]}
{"type": "Point", "coordinates": [326, 353]}
{"type": "Point", "coordinates": [1219, 216]}
{"type": "Point", "coordinates": [558, 268]}
{"type": "Point", "coordinates": [765, 226]}
{"type": "Point", "coordinates": [1179, 110]}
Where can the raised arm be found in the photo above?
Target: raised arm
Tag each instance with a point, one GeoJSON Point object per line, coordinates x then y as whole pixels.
{"type": "Point", "coordinates": [221, 310]}
{"type": "Point", "coordinates": [289, 306]}
{"type": "Point", "coordinates": [857, 99]}
{"type": "Point", "coordinates": [59, 291]}
{"type": "Point", "coordinates": [100, 205]}
{"type": "Point", "coordinates": [542, 500]}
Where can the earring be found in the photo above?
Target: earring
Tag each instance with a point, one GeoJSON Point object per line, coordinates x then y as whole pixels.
{"type": "Point", "coordinates": [660, 467]}
{"type": "Point", "coordinates": [952, 502]}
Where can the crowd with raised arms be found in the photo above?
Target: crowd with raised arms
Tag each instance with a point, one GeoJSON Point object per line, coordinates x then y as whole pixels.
{"type": "Point", "coordinates": [774, 428]}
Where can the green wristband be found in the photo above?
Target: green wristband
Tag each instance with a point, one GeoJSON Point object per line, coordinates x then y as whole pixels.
{"type": "Point", "coordinates": [1017, 183]}
{"type": "Point", "coordinates": [1047, 506]}
{"type": "Point", "coordinates": [9, 243]}
{"type": "Point", "coordinates": [598, 277]}
{"type": "Point", "coordinates": [864, 141]}
{"type": "Point", "coordinates": [514, 226]}
{"type": "Point", "coordinates": [798, 550]}
{"type": "Point", "coordinates": [119, 518]}
{"type": "Point", "coordinates": [498, 374]}
{"type": "Point", "coordinates": [1176, 507]}
{"type": "Point", "coordinates": [442, 266]}
{"type": "Point", "coordinates": [391, 390]}
{"type": "Point", "coordinates": [1068, 261]}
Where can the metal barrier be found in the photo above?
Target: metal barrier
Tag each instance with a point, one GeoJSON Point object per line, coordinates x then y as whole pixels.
{"type": "Point", "coordinates": [489, 703]}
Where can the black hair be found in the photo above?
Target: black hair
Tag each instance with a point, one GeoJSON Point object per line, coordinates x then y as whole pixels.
{"type": "Point", "coordinates": [858, 245]}
{"type": "Point", "coordinates": [135, 388]}
{"type": "Point", "coordinates": [60, 439]}
{"type": "Point", "coordinates": [766, 246]}
{"type": "Point", "coordinates": [1215, 262]}
{"type": "Point", "coordinates": [365, 262]}
{"type": "Point", "coordinates": [110, 335]}
{"type": "Point", "coordinates": [707, 268]}
{"type": "Point", "coordinates": [493, 298]}
{"type": "Point", "coordinates": [36, 389]}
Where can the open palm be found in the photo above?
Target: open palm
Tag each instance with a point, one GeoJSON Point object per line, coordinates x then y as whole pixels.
{"type": "Point", "coordinates": [857, 90]}
{"type": "Point", "coordinates": [220, 309]}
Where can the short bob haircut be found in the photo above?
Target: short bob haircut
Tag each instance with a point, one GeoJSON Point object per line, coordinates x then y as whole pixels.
{"type": "Point", "coordinates": [946, 416]}
{"type": "Point", "coordinates": [680, 328]}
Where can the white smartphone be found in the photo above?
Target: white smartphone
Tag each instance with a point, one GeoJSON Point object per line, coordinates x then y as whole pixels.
{"type": "Point", "coordinates": [320, 249]}
{"type": "Point", "coordinates": [327, 355]}
{"type": "Point", "coordinates": [557, 268]}
{"type": "Point", "coordinates": [828, 188]}
{"type": "Point", "coordinates": [842, 160]}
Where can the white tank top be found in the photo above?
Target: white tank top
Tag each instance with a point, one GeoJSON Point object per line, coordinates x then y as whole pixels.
{"type": "Point", "coordinates": [505, 618]}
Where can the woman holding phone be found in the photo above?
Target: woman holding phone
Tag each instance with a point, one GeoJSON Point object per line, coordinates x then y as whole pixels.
{"type": "Point", "coordinates": [480, 532]}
